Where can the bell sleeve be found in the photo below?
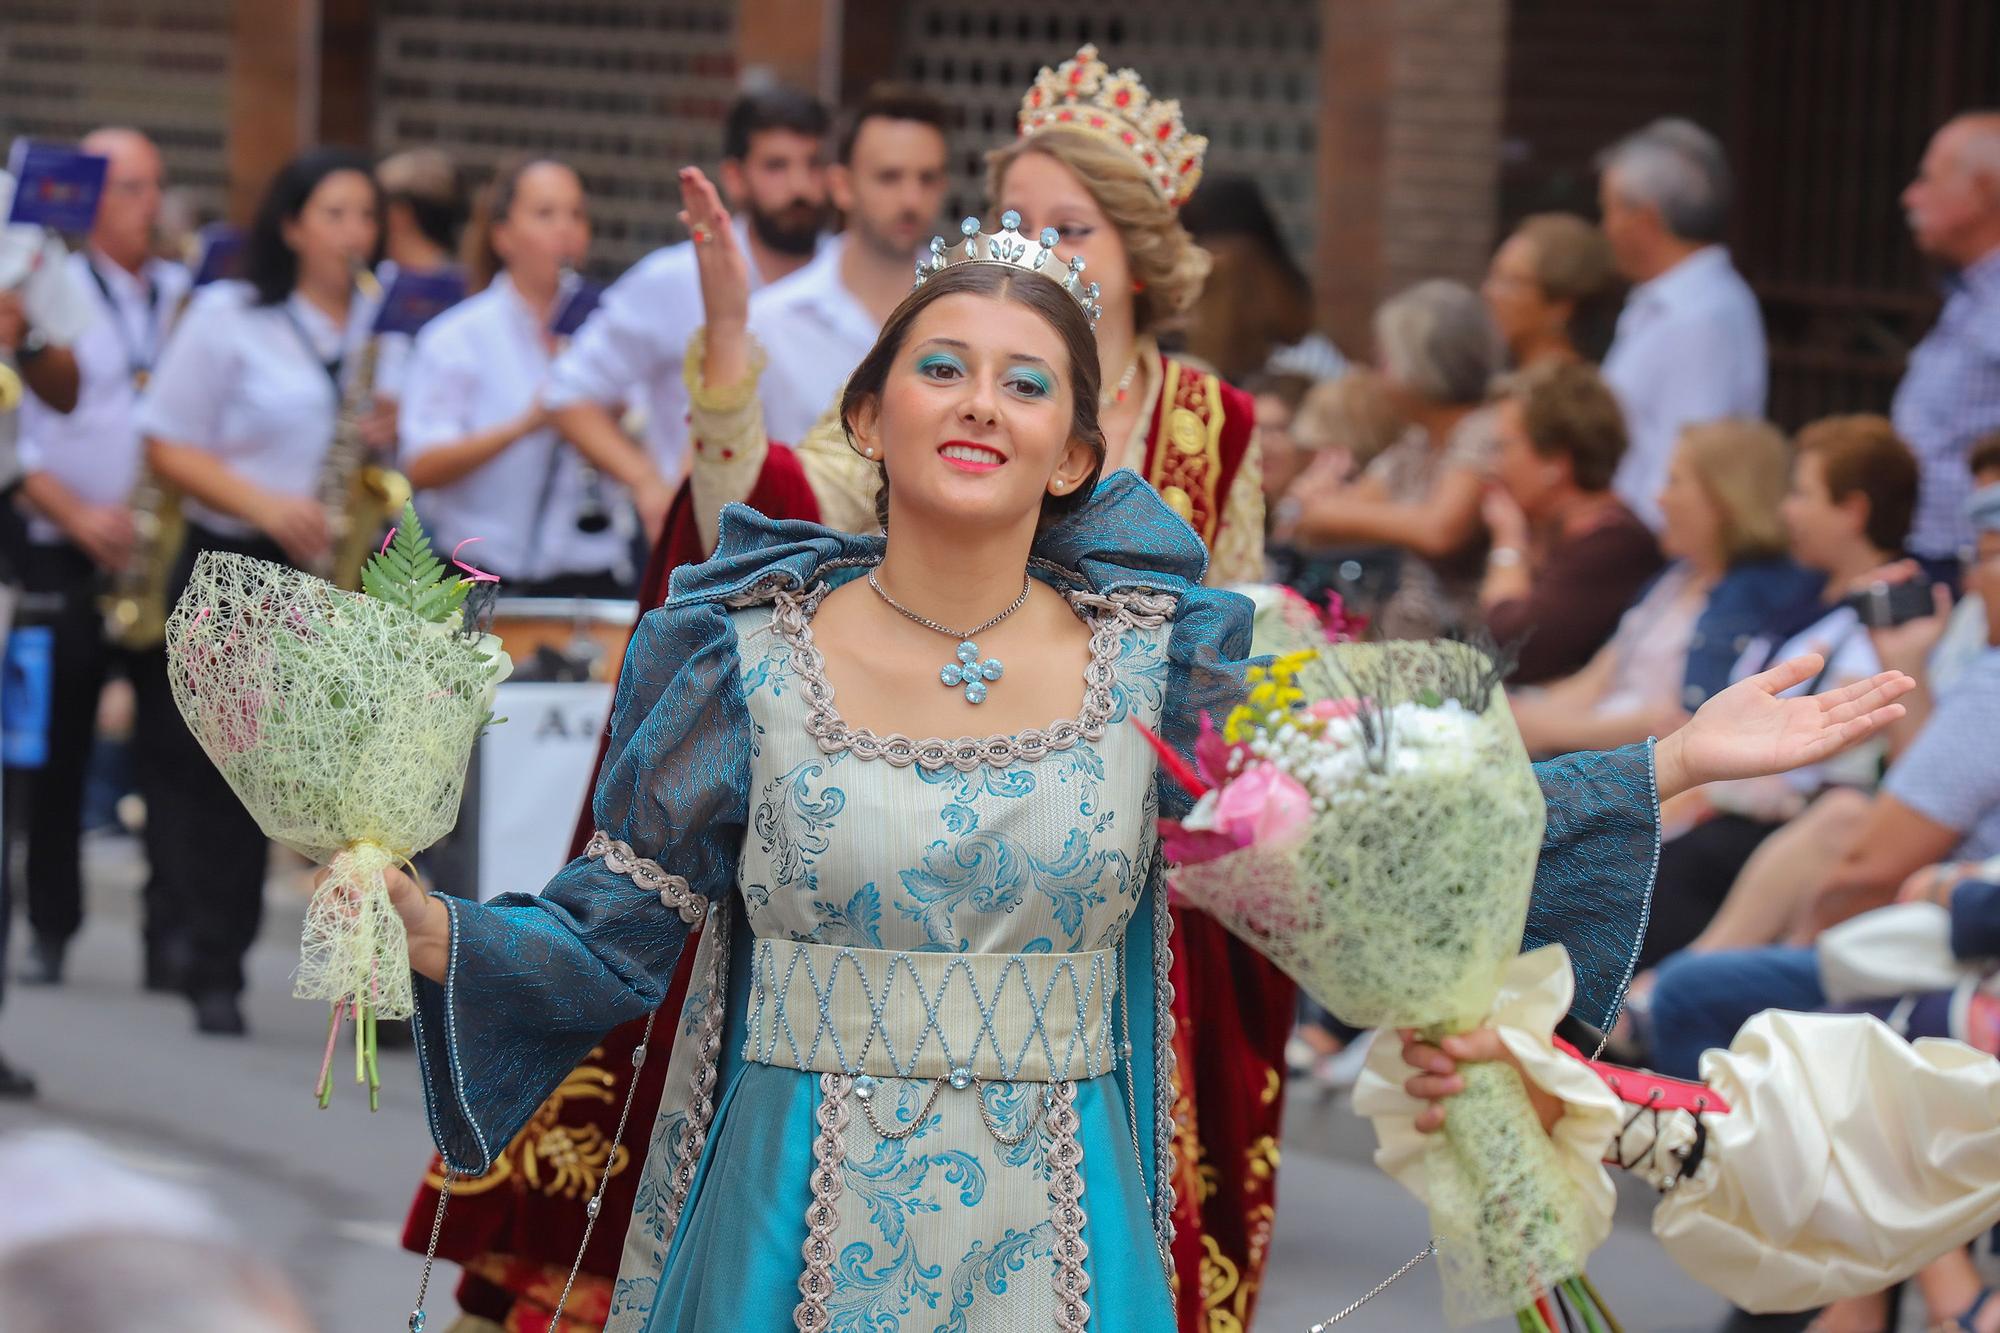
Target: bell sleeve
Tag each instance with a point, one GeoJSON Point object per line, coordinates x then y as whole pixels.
{"type": "Point", "coordinates": [1594, 882]}
{"type": "Point", "coordinates": [533, 981]}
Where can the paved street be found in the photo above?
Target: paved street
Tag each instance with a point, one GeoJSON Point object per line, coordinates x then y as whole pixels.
{"type": "Point", "coordinates": [324, 1192]}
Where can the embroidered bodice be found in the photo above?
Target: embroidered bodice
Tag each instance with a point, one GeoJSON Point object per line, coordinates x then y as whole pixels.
{"type": "Point", "coordinates": [1029, 843]}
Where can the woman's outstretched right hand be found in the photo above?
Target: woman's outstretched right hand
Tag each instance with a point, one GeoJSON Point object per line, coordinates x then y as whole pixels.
{"type": "Point", "coordinates": [725, 278]}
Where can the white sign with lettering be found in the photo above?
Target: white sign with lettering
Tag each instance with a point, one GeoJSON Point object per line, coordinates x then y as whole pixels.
{"type": "Point", "coordinates": [533, 771]}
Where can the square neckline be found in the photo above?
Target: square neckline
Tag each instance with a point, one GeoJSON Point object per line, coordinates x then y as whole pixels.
{"type": "Point", "coordinates": [1108, 616]}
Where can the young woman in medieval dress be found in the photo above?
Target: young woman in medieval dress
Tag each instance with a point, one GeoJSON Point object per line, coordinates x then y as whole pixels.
{"type": "Point", "coordinates": [1107, 166]}
{"type": "Point", "coordinates": [924, 1074]}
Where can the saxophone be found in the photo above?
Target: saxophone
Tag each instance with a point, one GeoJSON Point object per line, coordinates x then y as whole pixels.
{"type": "Point", "coordinates": [134, 602]}
{"type": "Point", "coordinates": [360, 498]}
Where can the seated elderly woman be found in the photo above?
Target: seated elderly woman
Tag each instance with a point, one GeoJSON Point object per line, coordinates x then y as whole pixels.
{"type": "Point", "coordinates": [1340, 427]}
{"type": "Point", "coordinates": [1729, 580]}
{"type": "Point", "coordinates": [1553, 290]}
{"type": "Point", "coordinates": [1438, 351]}
{"type": "Point", "coordinates": [1568, 557]}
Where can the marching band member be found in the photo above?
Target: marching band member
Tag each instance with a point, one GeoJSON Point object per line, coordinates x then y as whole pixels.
{"type": "Point", "coordinates": [423, 214]}
{"type": "Point", "coordinates": [774, 176]}
{"type": "Point", "coordinates": [240, 416]}
{"type": "Point", "coordinates": [476, 438]}
{"type": "Point", "coordinates": [81, 468]}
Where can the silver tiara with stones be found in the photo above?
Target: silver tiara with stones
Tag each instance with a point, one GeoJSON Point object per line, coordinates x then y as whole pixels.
{"type": "Point", "coordinates": [1008, 246]}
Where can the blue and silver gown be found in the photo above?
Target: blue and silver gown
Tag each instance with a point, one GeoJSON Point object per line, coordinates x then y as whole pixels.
{"type": "Point", "coordinates": [922, 1079]}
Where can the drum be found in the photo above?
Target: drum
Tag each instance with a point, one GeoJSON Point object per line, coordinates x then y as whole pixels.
{"type": "Point", "coordinates": [564, 638]}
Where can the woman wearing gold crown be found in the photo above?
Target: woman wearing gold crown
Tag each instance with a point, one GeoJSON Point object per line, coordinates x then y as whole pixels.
{"type": "Point", "coordinates": [1107, 166]}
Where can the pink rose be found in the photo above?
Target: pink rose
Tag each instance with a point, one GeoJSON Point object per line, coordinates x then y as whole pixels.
{"type": "Point", "coordinates": [1329, 710]}
{"type": "Point", "coordinates": [1264, 805]}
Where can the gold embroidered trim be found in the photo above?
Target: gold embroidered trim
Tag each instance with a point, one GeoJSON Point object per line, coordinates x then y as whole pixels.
{"type": "Point", "coordinates": [675, 893]}
{"type": "Point", "coordinates": [1186, 463]}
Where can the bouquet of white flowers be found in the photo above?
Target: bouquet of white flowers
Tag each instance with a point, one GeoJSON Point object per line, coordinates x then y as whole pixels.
{"type": "Point", "coordinates": [344, 723]}
{"type": "Point", "coordinates": [1368, 819]}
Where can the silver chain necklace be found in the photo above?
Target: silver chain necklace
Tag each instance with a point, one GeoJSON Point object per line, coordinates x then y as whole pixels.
{"type": "Point", "coordinates": [970, 672]}
{"type": "Point", "coordinates": [949, 633]}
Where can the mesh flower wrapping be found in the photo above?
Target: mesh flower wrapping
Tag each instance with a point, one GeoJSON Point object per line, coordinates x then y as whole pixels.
{"type": "Point", "coordinates": [344, 724]}
{"type": "Point", "coordinates": [1396, 899]}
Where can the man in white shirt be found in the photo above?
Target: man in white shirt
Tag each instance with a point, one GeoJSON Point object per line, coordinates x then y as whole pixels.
{"type": "Point", "coordinates": [80, 470]}
{"type": "Point", "coordinates": [889, 184]}
{"type": "Point", "coordinates": [1690, 342]}
{"type": "Point", "coordinates": [774, 175]}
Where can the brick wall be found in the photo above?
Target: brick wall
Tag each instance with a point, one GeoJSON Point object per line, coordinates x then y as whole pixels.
{"type": "Point", "coordinates": [1445, 81]}
{"type": "Point", "coordinates": [626, 91]}
{"type": "Point", "coordinates": [1409, 137]}
{"type": "Point", "coordinates": [162, 66]}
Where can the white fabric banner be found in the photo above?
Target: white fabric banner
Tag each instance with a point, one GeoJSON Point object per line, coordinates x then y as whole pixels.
{"type": "Point", "coordinates": [533, 772]}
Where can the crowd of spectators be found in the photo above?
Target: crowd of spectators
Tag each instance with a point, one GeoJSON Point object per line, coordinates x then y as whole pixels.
{"type": "Point", "coordinates": [1576, 464]}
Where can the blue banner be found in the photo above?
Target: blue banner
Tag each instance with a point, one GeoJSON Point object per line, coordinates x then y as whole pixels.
{"type": "Point", "coordinates": [415, 299]}
{"type": "Point", "coordinates": [55, 186]}
{"type": "Point", "coordinates": [220, 254]}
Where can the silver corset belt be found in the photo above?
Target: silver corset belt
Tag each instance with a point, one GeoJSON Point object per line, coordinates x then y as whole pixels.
{"type": "Point", "coordinates": [890, 1014]}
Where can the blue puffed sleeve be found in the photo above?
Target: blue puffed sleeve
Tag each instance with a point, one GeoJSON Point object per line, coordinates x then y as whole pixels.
{"type": "Point", "coordinates": [533, 982]}
{"type": "Point", "coordinates": [1594, 883]}
{"type": "Point", "coordinates": [1207, 656]}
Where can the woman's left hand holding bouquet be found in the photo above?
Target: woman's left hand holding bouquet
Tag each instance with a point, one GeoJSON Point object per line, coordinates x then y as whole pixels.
{"type": "Point", "coordinates": [1438, 1079]}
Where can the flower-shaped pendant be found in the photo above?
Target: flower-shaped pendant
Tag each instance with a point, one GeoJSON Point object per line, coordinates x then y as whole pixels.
{"type": "Point", "coordinates": [971, 673]}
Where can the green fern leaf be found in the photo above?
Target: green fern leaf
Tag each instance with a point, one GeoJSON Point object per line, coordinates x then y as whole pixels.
{"type": "Point", "coordinates": [408, 574]}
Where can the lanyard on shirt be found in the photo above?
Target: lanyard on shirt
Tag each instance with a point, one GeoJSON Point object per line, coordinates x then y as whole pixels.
{"type": "Point", "coordinates": [332, 368]}
{"type": "Point", "coordinates": [139, 360]}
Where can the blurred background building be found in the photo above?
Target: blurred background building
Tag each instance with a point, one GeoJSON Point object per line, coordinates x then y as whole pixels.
{"type": "Point", "coordinates": [1398, 139]}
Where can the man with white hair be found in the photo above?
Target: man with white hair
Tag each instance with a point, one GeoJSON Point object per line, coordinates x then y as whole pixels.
{"type": "Point", "coordinates": [1950, 395]}
{"type": "Point", "coordinates": [80, 468]}
{"type": "Point", "coordinates": [1690, 341]}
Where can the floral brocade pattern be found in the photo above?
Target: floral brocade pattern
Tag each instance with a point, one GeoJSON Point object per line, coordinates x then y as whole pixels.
{"type": "Point", "coordinates": [934, 1206]}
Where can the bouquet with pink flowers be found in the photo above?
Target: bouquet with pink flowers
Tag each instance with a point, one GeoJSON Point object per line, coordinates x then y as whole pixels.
{"type": "Point", "coordinates": [1368, 819]}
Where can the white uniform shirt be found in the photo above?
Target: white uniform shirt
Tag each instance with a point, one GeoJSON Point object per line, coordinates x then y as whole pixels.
{"type": "Point", "coordinates": [239, 381]}
{"type": "Point", "coordinates": [94, 450]}
{"type": "Point", "coordinates": [1689, 349]}
{"type": "Point", "coordinates": [634, 343]}
{"type": "Point", "coordinates": [475, 366]}
{"type": "Point", "coordinates": [815, 333]}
